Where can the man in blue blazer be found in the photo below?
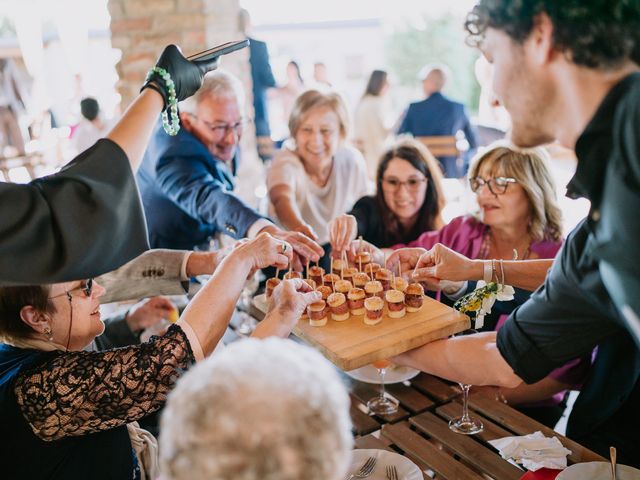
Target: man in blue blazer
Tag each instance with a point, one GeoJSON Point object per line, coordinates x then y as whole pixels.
{"type": "Point", "coordinates": [262, 79]}
{"type": "Point", "coordinates": [186, 181]}
{"type": "Point", "coordinates": [438, 115]}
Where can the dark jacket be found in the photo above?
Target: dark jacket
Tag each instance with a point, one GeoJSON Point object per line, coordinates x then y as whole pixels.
{"type": "Point", "coordinates": [188, 194]}
{"type": "Point", "coordinates": [437, 116]}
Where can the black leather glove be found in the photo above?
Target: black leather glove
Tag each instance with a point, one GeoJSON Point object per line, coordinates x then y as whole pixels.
{"type": "Point", "coordinates": [186, 75]}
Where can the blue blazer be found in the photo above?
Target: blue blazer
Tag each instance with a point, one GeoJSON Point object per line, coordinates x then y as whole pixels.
{"type": "Point", "coordinates": [438, 115]}
{"type": "Point", "coordinates": [262, 77]}
{"type": "Point", "coordinates": [188, 194]}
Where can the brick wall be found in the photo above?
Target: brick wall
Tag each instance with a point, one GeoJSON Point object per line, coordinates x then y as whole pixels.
{"type": "Point", "coordinates": [141, 28]}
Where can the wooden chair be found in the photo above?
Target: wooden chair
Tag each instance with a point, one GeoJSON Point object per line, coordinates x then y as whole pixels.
{"type": "Point", "coordinates": [24, 163]}
{"type": "Point", "coordinates": [441, 146]}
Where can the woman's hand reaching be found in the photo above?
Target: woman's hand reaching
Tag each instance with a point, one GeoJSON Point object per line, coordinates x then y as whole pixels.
{"type": "Point", "coordinates": [265, 251]}
{"type": "Point", "coordinates": [287, 304]}
{"type": "Point", "coordinates": [342, 230]}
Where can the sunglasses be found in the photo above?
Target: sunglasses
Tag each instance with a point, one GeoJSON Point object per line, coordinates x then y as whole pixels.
{"type": "Point", "coordinates": [86, 287]}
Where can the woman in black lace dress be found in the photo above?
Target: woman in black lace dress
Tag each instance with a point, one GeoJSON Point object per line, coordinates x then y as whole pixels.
{"type": "Point", "coordinates": [66, 413]}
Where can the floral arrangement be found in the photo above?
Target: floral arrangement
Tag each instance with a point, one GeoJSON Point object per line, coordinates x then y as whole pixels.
{"type": "Point", "coordinates": [482, 299]}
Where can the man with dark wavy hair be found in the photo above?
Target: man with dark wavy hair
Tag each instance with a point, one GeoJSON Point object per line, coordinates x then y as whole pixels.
{"type": "Point", "coordinates": [569, 70]}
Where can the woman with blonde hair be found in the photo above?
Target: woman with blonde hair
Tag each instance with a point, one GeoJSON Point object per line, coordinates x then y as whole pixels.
{"type": "Point", "coordinates": [317, 176]}
{"type": "Point", "coordinates": [518, 218]}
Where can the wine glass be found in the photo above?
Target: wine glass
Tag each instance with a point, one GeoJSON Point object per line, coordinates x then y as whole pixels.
{"type": "Point", "coordinates": [382, 404]}
{"type": "Point", "coordinates": [466, 424]}
{"type": "Point", "coordinates": [247, 323]}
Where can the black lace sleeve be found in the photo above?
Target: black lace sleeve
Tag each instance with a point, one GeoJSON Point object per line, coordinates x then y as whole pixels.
{"type": "Point", "coordinates": [77, 393]}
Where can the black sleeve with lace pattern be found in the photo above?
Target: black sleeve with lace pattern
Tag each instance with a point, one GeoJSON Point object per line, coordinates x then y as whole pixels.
{"type": "Point", "coordinates": [76, 393]}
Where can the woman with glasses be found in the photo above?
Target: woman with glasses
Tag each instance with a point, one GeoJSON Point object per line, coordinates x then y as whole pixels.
{"type": "Point", "coordinates": [518, 217]}
{"type": "Point", "coordinates": [69, 414]}
{"type": "Point", "coordinates": [317, 177]}
{"type": "Point", "coordinates": [408, 200]}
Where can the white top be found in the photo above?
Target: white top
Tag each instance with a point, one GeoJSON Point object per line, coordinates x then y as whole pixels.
{"type": "Point", "coordinates": [86, 133]}
{"type": "Point", "coordinates": [371, 130]}
{"type": "Point", "coordinates": [318, 205]}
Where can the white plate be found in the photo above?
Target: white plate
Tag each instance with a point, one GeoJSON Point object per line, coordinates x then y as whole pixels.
{"type": "Point", "coordinates": [598, 471]}
{"type": "Point", "coordinates": [407, 470]}
{"type": "Point", "coordinates": [394, 374]}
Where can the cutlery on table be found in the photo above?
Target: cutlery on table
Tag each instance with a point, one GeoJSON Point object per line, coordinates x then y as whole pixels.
{"type": "Point", "coordinates": [365, 470]}
{"type": "Point", "coordinates": [612, 456]}
{"type": "Point", "coordinates": [392, 472]}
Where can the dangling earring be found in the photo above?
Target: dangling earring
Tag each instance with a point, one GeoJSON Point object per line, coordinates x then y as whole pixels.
{"type": "Point", "coordinates": [49, 333]}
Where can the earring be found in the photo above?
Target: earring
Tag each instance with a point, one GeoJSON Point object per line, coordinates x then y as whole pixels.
{"type": "Point", "coordinates": [49, 333]}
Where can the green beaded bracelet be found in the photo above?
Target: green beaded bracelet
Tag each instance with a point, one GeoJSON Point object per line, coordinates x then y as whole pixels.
{"type": "Point", "coordinates": [172, 102]}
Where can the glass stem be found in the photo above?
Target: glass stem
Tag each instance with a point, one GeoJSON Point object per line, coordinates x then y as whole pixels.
{"type": "Point", "coordinates": [465, 402]}
{"type": "Point", "coordinates": [382, 389]}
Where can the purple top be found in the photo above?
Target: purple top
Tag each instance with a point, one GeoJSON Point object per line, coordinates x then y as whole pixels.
{"type": "Point", "coordinates": [464, 235]}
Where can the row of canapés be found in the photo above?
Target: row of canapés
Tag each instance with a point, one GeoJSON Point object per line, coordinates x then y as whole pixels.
{"type": "Point", "coordinates": [353, 291]}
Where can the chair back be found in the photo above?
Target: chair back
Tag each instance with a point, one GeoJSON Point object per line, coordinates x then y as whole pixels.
{"type": "Point", "coordinates": [20, 169]}
{"type": "Point", "coordinates": [441, 146]}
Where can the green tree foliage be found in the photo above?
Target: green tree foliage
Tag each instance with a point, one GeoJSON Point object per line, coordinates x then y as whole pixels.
{"type": "Point", "coordinates": [439, 40]}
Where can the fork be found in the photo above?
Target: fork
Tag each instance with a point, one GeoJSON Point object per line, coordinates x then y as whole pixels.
{"type": "Point", "coordinates": [392, 473]}
{"type": "Point", "coordinates": [365, 470]}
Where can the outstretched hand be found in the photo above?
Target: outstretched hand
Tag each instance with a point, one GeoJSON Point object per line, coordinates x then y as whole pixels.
{"type": "Point", "coordinates": [289, 300]}
{"type": "Point", "coordinates": [304, 247]}
{"type": "Point", "coordinates": [444, 264]}
{"type": "Point", "coordinates": [187, 75]}
{"type": "Point", "coordinates": [342, 230]}
{"type": "Point", "coordinates": [148, 312]}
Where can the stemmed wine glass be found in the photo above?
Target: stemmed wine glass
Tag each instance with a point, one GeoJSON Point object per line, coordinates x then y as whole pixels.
{"type": "Point", "coordinates": [247, 323]}
{"type": "Point", "coordinates": [382, 404]}
{"type": "Point", "coordinates": [466, 424]}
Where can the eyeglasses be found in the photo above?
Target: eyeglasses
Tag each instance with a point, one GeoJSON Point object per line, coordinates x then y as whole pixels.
{"type": "Point", "coordinates": [85, 287]}
{"type": "Point", "coordinates": [497, 185]}
{"type": "Point", "coordinates": [393, 184]}
{"type": "Point", "coordinates": [222, 130]}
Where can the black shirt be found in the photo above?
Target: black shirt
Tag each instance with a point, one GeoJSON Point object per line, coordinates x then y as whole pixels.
{"type": "Point", "coordinates": [81, 222]}
{"type": "Point", "coordinates": [575, 310]}
{"type": "Point", "coordinates": [371, 225]}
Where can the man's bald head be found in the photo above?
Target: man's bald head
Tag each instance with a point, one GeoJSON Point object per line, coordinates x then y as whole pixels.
{"type": "Point", "coordinates": [434, 78]}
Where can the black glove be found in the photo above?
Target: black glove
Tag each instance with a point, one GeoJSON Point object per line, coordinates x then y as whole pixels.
{"type": "Point", "coordinates": [186, 75]}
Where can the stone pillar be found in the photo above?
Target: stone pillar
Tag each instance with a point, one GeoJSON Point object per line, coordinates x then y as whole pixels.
{"type": "Point", "coordinates": [141, 28]}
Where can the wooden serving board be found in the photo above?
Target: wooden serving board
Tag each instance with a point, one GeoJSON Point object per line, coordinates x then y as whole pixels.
{"type": "Point", "coordinates": [352, 344]}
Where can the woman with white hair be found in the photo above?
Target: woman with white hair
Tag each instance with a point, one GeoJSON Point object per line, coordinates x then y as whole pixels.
{"type": "Point", "coordinates": [259, 410]}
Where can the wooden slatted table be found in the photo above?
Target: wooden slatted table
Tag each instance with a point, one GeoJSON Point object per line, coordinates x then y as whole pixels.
{"type": "Point", "coordinates": [420, 430]}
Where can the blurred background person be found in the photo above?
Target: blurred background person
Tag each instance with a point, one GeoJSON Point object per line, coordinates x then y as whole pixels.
{"type": "Point", "coordinates": [321, 76]}
{"type": "Point", "coordinates": [438, 115]}
{"type": "Point", "coordinates": [407, 203]}
{"type": "Point", "coordinates": [262, 80]}
{"type": "Point", "coordinates": [371, 121]}
{"type": "Point", "coordinates": [317, 176]}
{"type": "Point", "coordinates": [91, 127]}
{"type": "Point", "coordinates": [260, 409]}
{"type": "Point", "coordinates": [290, 91]}
{"type": "Point", "coordinates": [12, 104]}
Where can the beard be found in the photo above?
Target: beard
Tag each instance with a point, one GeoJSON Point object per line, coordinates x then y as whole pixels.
{"type": "Point", "coordinates": [531, 115]}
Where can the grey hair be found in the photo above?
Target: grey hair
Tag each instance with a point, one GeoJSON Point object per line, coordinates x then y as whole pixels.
{"type": "Point", "coordinates": [259, 410]}
{"type": "Point", "coordinates": [217, 83]}
{"type": "Point", "coordinates": [530, 167]}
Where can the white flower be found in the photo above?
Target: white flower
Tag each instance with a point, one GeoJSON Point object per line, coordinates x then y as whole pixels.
{"type": "Point", "coordinates": [505, 293]}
